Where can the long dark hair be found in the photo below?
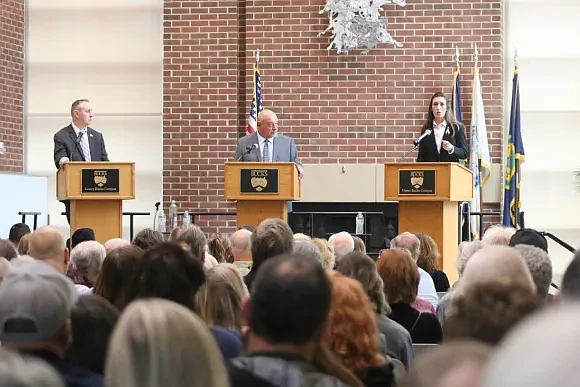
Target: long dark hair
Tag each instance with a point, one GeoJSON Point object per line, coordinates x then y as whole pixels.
{"type": "Point", "coordinates": [449, 116]}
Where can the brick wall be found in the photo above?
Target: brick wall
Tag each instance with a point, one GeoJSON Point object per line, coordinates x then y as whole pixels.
{"type": "Point", "coordinates": [11, 83]}
{"type": "Point", "coordinates": [356, 108]}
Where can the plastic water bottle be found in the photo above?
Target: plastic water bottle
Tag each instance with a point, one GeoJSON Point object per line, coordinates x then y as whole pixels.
{"type": "Point", "coordinates": [173, 216]}
{"type": "Point", "coordinates": [360, 223]}
{"type": "Point", "coordinates": [186, 220]}
{"type": "Point", "coordinates": [162, 222]}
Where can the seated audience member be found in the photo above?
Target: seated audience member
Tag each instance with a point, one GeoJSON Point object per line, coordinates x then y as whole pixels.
{"type": "Point", "coordinates": [35, 312]}
{"type": "Point", "coordinates": [548, 342]}
{"type": "Point", "coordinates": [5, 267]}
{"type": "Point", "coordinates": [7, 249]}
{"type": "Point", "coordinates": [326, 253]}
{"type": "Point", "coordinates": [92, 321]}
{"type": "Point", "coordinates": [81, 235]}
{"type": "Point", "coordinates": [342, 243]}
{"type": "Point", "coordinates": [353, 334]}
{"type": "Point", "coordinates": [570, 287]}
{"type": "Point", "coordinates": [47, 245]}
{"type": "Point", "coordinates": [17, 231]}
{"type": "Point", "coordinates": [498, 234]}
{"type": "Point", "coordinates": [117, 280]}
{"type": "Point", "coordinates": [286, 314]}
{"type": "Point", "coordinates": [170, 272]}
{"type": "Point", "coordinates": [540, 266]}
{"type": "Point", "coordinates": [359, 245]}
{"type": "Point", "coordinates": [219, 247]}
{"type": "Point", "coordinates": [219, 300]}
{"type": "Point", "coordinates": [241, 248]}
{"type": "Point", "coordinates": [411, 243]}
{"type": "Point", "coordinates": [301, 237]}
{"type": "Point", "coordinates": [272, 237]}
{"type": "Point", "coordinates": [161, 343]}
{"type": "Point", "coordinates": [401, 281]}
{"type": "Point", "coordinates": [26, 371]}
{"type": "Point", "coordinates": [486, 311]}
{"type": "Point", "coordinates": [307, 248]}
{"type": "Point", "coordinates": [530, 237]}
{"type": "Point", "coordinates": [248, 227]}
{"type": "Point", "coordinates": [363, 269]}
{"type": "Point", "coordinates": [20, 260]}
{"type": "Point", "coordinates": [457, 364]}
{"type": "Point", "coordinates": [87, 259]}
{"type": "Point", "coordinates": [147, 238]}
{"type": "Point", "coordinates": [23, 246]}
{"type": "Point", "coordinates": [115, 243]}
{"type": "Point", "coordinates": [429, 259]}
{"type": "Point", "coordinates": [194, 239]}
{"type": "Point", "coordinates": [464, 252]}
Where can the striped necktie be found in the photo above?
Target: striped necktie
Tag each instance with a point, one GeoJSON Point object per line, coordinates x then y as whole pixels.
{"type": "Point", "coordinates": [85, 146]}
{"type": "Point", "coordinates": [266, 155]}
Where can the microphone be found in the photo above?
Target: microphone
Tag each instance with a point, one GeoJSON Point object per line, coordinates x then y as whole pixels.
{"type": "Point", "coordinates": [417, 141]}
{"type": "Point", "coordinates": [248, 150]}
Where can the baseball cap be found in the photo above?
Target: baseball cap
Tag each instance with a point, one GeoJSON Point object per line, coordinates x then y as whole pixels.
{"type": "Point", "coordinates": [35, 302]}
{"type": "Point", "coordinates": [529, 236]}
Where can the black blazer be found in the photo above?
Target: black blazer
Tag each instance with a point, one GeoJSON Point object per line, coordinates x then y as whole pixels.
{"type": "Point", "coordinates": [428, 148]}
{"type": "Point", "coordinates": [423, 327]}
{"type": "Point", "coordinates": [66, 145]}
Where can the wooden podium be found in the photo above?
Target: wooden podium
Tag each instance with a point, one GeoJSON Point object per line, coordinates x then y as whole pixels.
{"type": "Point", "coordinates": [262, 190]}
{"type": "Point", "coordinates": [429, 196]}
{"type": "Point", "coordinates": [96, 191]}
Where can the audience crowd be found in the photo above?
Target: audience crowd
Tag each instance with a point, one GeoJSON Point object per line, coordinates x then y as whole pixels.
{"type": "Point", "coordinates": [267, 307]}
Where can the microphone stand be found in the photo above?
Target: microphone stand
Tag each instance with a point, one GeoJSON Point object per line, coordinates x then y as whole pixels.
{"type": "Point", "coordinates": [409, 152]}
{"type": "Point", "coordinates": [247, 152]}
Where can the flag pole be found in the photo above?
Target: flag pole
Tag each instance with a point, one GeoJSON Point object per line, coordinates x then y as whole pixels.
{"type": "Point", "coordinates": [476, 54]}
{"type": "Point", "coordinates": [517, 166]}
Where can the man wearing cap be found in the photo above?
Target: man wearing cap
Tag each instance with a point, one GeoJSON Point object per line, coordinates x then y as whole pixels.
{"type": "Point", "coordinates": [35, 307]}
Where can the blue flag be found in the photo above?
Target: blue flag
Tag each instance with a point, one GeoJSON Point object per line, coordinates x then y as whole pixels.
{"type": "Point", "coordinates": [515, 156]}
{"type": "Point", "coordinates": [456, 98]}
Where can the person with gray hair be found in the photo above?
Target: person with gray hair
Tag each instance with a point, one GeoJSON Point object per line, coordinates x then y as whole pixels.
{"type": "Point", "coordinates": [548, 342]}
{"type": "Point", "coordinates": [412, 244]}
{"type": "Point", "coordinates": [498, 234]}
{"type": "Point", "coordinates": [7, 249]}
{"type": "Point", "coordinates": [195, 240]}
{"type": "Point", "coordinates": [115, 243]}
{"type": "Point", "coordinates": [241, 250]}
{"type": "Point", "coordinates": [342, 243]}
{"type": "Point", "coordinates": [87, 259]}
{"type": "Point", "coordinates": [540, 266]}
{"type": "Point", "coordinates": [307, 248]}
{"type": "Point", "coordinates": [26, 371]}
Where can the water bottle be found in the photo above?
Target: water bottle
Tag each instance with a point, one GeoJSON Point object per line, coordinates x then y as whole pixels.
{"type": "Point", "coordinates": [186, 220]}
{"type": "Point", "coordinates": [360, 223]}
{"type": "Point", "coordinates": [162, 222]}
{"type": "Point", "coordinates": [173, 216]}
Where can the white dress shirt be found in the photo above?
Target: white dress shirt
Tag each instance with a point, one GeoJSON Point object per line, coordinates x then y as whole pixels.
{"type": "Point", "coordinates": [427, 288]}
{"type": "Point", "coordinates": [261, 141]}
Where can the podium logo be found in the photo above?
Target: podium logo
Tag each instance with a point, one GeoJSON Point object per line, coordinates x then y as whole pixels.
{"type": "Point", "coordinates": [417, 179]}
{"type": "Point", "coordinates": [100, 178]}
{"type": "Point", "coordinates": [259, 179]}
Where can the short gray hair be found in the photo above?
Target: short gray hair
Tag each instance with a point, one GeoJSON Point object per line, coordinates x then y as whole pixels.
{"type": "Point", "coordinates": [343, 243]}
{"type": "Point", "coordinates": [409, 242]}
{"type": "Point", "coordinates": [87, 258]}
{"type": "Point", "coordinates": [464, 253]}
{"type": "Point", "coordinates": [540, 265]}
{"type": "Point", "coordinates": [195, 239]}
{"type": "Point", "coordinates": [272, 237]}
{"type": "Point", "coordinates": [498, 234]}
{"type": "Point", "coordinates": [307, 248]}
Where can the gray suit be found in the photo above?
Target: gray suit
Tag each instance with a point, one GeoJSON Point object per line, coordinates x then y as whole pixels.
{"type": "Point", "coordinates": [284, 149]}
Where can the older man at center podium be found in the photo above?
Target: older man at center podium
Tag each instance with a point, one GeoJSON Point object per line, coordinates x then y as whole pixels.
{"type": "Point", "coordinates": [267, 144]}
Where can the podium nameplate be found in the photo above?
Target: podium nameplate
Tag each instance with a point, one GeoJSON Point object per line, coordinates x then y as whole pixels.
{"type": "Point", "coordinates": [417, 182]}
{"type": "Point", "coordinates": [255, 181]}
{"type": "Point", "coordinates": [100, 181]}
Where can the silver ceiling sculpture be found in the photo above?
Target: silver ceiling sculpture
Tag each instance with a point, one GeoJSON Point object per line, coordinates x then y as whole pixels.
{"type": "Point", "coordinates": [358, 24]}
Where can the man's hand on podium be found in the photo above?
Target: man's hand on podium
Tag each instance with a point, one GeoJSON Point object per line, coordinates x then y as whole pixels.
{"type": "Point", "coordinates": [300, 171]}
{"type": "Point", "coordinates": [62, 161]}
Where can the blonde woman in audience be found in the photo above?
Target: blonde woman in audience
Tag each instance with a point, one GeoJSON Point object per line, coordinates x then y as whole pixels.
{"type": "Point", "coordinates": [327, 252]}
{"type": "Point", "coordinates": [219, 247]}
{"type": "Point", "coordinates": [429, 259]}
{"type": "Point", "coordinates": [353, 333]}
{"type": "Point", "coordinates": [160, 343]}
{"type": "Point", "coordinates": [23, 246]}
{"type": "Point", "coordinates": [219, 300]}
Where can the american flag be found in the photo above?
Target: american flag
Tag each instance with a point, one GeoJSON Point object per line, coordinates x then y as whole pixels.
{"type": "Point", "coordinates": [256, 106]}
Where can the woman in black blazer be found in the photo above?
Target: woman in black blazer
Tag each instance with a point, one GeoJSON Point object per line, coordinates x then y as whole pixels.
{"type": "Point", "coordinates": [447, 141]}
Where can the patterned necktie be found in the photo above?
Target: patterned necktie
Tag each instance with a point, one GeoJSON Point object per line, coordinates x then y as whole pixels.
{"type": "Point", "coordinates": [266, 155]}
{"type": "Point", "coordinates": [85, 146]}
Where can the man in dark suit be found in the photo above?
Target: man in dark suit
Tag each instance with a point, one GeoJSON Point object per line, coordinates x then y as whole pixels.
{"type": "Point", "coordinates": [267, 144]}
{"type": "Point", "coordinates": [78, 142]}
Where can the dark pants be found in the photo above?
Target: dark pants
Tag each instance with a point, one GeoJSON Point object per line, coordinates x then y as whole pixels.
{"type": "Point", "coordinates": [67, 209]}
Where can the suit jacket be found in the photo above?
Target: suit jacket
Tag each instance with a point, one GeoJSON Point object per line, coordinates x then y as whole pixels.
{"type": "Point", "coordinates": [428, 148]}
{"type": "Point", "coordinates": [284, 149]}
{"type": "Point", "coordinates": [66, 145]}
